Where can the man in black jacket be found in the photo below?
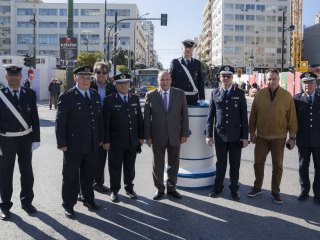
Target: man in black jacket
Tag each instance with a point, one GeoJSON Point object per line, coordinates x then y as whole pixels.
{"type": "Point", "coordinates": [123, 125]}
{"type": "Point", "coordinates": [54, 90]}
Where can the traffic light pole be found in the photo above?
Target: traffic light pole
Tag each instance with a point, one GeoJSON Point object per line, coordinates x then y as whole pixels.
{"type": "Point", "coordinates": [69, 69]}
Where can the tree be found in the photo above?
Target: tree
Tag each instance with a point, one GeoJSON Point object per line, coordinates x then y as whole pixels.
{"type": "Point", "coordinates": [89, 58]}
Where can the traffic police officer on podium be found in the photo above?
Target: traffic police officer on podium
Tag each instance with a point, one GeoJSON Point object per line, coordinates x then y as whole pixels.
{"type": "Point", "coordinates": [186, 74]}
{"type": "Point", "coordinates": [19, 136]}
{"type": "Point", "coordinates": [79, 132]}
{"type": "Point", "coordinates": [124, 133]}
{"type": "Point", "coordinates": [228, 119]}
{"type": "Point", "coordinates": [308, 137]}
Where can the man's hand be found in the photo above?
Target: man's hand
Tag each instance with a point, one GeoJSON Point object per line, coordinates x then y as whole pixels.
{"type": "Point", "coordinates": [245, 142]}
{"type": "Point", "coordinates": [149, 142]}
{"type": "Point", "coordinates": [253, 138]}
{"type": "Point", "coordinates": [141, 141]}
{"type": "Point", "coordinates": [183, 140]}
{"type": "Point", "coordinates": [291, 142]}
{"type": "Point", "coordinates": [106, 146]}
{"type": "Point", "coordinates": [209, 141]}
{"type": "Point", "coordinates": [63, 149]}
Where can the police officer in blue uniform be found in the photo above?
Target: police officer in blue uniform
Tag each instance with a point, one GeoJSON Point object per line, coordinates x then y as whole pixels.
{"type": "Point", "coordinates": [227, 128]}
{"type": "Point", "coordinates": [17, 138]}
{"type": "Point", "coordinates": [102, 85]}
{"type": "Point", "coordinates": [124, 134]}
{"type": "Point", "coordinates": [308, 137]}
{"type": "Point", "coordinates": [186, 74]}
{"type": "Point", "coordinates": [79, 133]}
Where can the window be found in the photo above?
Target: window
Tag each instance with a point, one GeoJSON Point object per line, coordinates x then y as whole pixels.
{"type": "Point", "coordinates": [228, 39]}
{"type": "Point", "coordinates": [260, 40]}
{"type": "Point", "coordinates": [239, 6]}
{"type": "Point", "coordinates": [24, 11]}
{"type": "Point", "coordinates": [260, 18]}
{"type": "Point", "coordinates": [48, 39]}
{"type": "Point", "coordinates": [93, 39]}
{"type": "Point", "coordinates": [24, 39]}
{"type": "Point", "coordinates": [261, 8]}
{"type": "Point", "coordinates": [239, 17]}
{"type": "Point", "coordinates": [121, 12]}
{"type": "Point", "coordinates": [271, 29]}
{"type": "Point", "coordinates": [228, 49]}
{"type": "Point", "coordinates": [4, 9]}
{"type": "Point", "coordinates": [63, 12]}
{"type": "Point", "coordinates": [48, 12]}
{"type": "Point", "coordinates": [124, 40]}
{"type": "Point", "coordinates": [249, 39]}
{"type": "Point", "coordinates": [24, 24]}
{"type": "Point", "coordinates": [89, 25]}
{"type": "Point", "coordinates": [250, 28]}
{"type": "Point", "coordinates": [250, 17]}
{"type": "Point", "coordinates": [4, 20]}
{"type": "Point", "coordinates": [90, 12]}
{"type": "Point", "coordinates": [239, 39]}
{"type": "Point", "coordinates": [271, 40]}
{"type": "Point", "coordinates": [123, 25]}
{"type": "Point", "coordinates": [48, 25]}
{"type": "Point", "coordinates": [64, 25]}
{"type": "Point", "coordinates": [271, 18]}
{"type": "Point", "coordinates": [228, 5]}
{"type": "Point", "coordinates": [250, 7]}
{"type": "Point", "coordinates": [228, 27]}
{"type": "Point", "coordinates": [228, 17]}
{"type": "Point", "coordinates": [48, 52]}
{"type": "Point", "coordinates": [239, 27]}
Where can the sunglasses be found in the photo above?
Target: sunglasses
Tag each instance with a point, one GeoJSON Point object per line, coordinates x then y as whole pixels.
{"type": "Point", "coordinates": [100, 72]}
{"type": "Point", "coordinates": [226, 76]}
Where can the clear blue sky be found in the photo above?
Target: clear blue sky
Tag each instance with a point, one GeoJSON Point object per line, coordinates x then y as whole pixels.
{"type": "Point", "coordinates": [185, 21]}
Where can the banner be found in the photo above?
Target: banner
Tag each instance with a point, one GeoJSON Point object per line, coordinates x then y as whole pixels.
{"type": "Point", "coordinates": [68, 52]}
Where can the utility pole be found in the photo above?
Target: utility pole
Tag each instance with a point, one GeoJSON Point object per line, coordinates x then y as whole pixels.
{"type": "Point", "coordinates": [115, 43]}
{"type": "Point", "coordinates": [33, 22]}
{"type": "Point", "coordinates": [69, 69]}
{"type": "Point", "coordinates": [105, 31]}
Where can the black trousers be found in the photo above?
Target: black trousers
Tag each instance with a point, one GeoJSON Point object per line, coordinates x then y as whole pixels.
{"type": "Point", "coordinates": [192, 99]}
{"type": "Point", "coordinates": [77, 168]}
{"type": "Point", "coordinates": [100, 165]}
{"type": "Point", "coordinates": [7, 162]}
{"type": "Point", "coordinates": [222, 151]}
{"type": "Point", "coordinates": [304, 162]}
{"type": "Point", "coordinates": [117, 157]}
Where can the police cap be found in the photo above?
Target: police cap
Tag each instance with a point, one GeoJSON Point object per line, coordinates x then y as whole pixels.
{"type": "Point", "coordinates": [226, 70]}
{"type": "Point", "coordinates": [84, 70]}
{"type": "Point", "coordinates": [121, 78]}
{"type": "Point", "coordinates": [308, 76]}
{"type": "Point", "coordinates": [188, 43]}
{"type": "Point", "coordinates": [12, 68]}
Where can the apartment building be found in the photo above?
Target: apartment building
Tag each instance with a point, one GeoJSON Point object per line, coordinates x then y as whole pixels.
{"type": "Point", "coordinates": [250, 33]}
{"type": "Point", "coordinates": [206, 37]}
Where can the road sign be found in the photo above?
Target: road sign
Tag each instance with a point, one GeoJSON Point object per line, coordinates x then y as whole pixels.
{"type": "Point", "coordinates": [304, 66]}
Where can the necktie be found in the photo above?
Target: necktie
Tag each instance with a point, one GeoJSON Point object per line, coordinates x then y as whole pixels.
{"type": "Point", "coordinates": [125, 99]}
{"type": "Point", "coordinates": [15, 97]}
{"type": "Point", "coordinates": [86, 97]}
{"type": "Point", "coordinates": [310, 100]}
{"type": "Point", "coordinates": [165, 100]}
{"type": "Point", "coordinates": [224, 94]}
{"type": "Point", "coordinates": [188, 62]}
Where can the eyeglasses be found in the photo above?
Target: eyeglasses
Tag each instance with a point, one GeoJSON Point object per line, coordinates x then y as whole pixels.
{"type": "Point", "coordinates": [99, 72]}
{"type": "Point", "coordinates": [226, 76]}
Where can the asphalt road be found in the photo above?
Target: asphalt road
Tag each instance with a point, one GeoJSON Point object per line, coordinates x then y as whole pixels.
{"type": "Point", "coordinates": [196, 216]}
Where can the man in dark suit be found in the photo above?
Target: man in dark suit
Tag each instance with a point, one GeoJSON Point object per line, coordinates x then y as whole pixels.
{"type": "Point", "coordinates": [228, 119]}
{"type": "Point", "coordinates": [102, 85]}
{"type": "Point", "coordinates": [79, 132]}
{"type": "Point", "coordinates": [123, 123]}
{"type": "Point", "coordinates": [17, 138]}
{"type": "Point", "coordinates": [28, 81]}
{"type": "Point", "coordinates": [166, 125]}
{"type": "Point", "coordinates": [186, 74]}
{"type": "Point", "coordinates": [308, 136]}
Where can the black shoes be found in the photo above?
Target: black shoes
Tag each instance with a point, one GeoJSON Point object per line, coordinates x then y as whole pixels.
{"type": "Point", "coordinates": [174, 194]}
{"type": "Point", "coordinates": [132, 194]}
{"type": "Point", "coordinates": [303, 196]}
{"type": "Point", "coordinates": [69, 213]}
{"type": "Point", "coordinates": [158, 195]}
{"type": "Point", "coordinates": [92, 206]}
{"type": "Point", "coordinates": [100, 188]}
{"type": "Point", "coordinates": [29, 208]}
{"type": "Point", "coordinates": [114, 197]}
{"type": "Point", "coordinates": [235, 195]}
{"type": "Point", "coordinates": [254, 192]}
{"type": "Point", "coordinates": [276, 198]}
{"type": "Point", "coordinates": [4, 215]}
{"type": "Point", "coordinates": [215, 194]}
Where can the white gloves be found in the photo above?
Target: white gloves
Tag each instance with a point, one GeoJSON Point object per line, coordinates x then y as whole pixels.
{"type": "Point", "coordinates": [35, 145]}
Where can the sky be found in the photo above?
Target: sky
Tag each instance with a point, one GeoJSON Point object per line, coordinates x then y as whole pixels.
{"type": "Point", "coordinates": [185, 21]}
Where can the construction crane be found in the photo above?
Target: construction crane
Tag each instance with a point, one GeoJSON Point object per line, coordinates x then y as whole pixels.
{"type": "Point", "coordinates": [296, 36]}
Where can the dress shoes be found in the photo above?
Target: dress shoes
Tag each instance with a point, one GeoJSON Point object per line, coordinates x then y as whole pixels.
{"type": "Point", "coordinates": [100, 188]}
{"type": "Point", "coordinates": [4, 215]}
{"type": "Point", "coordinates": [235, 195]}
{"type": "Point", "coordinates": [114, 197]}
{"type": "Point", "coordinates": [158, 195]}
{"type": "Point", "coordinates": [69, 213]}
{"type": "Point", "coordinates": [132, 194]}
{"type": "Point", "coordinates": [92, 206]}
{"type": "Point", "coordinates": [29, 208]}
{"type": "Point", "coordinates": [175, 194]}
{"type": "Point", "coordinates": [303, 196]}
{"type": "Point", "coordinates": [215, 194]}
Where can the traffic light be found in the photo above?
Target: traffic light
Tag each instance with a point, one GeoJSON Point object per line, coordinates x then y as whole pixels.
{"type": "Point", "coordinates": [239, 72]}
{"type": "Point", "coordinates": [28, 61]}
{"type": "Point", "coordinates": [164, 19]}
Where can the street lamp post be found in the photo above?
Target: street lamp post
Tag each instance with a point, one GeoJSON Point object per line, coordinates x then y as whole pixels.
{"type": "Point", "coordinates": [86, 39]}
{"type": "Point", "coordinates": [290, 29]}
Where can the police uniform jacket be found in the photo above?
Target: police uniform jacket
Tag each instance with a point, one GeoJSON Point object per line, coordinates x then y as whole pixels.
{"type": "Point", "coordinates": [79, 124]}
{"type": "Point", "coordinates": [228, 116]}
{"type": "Point", "coordinates": [110, 88]}
{"type": "Point", "coordinates": [27, 107]}
{"type": "Point", "coordinates": [180, 79]}
{"type": "Point", "coordinates": [123, 122]}
{"type": "Point", "coordinates": [308, 116]}
{"type": "Point", "coordinates": [27, 83]}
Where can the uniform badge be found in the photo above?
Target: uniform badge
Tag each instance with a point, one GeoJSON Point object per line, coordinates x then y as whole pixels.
{"type": "Point", "coordinates": [123, 76]}
{"type": "Point", "coordinates": [307, 75]}
{"type": "Point", "coordinates": [226, 68]}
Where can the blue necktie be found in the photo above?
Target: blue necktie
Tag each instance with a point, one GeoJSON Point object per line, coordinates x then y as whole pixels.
{"type": "Point", "coordinates": [15, 97]}
{"type": "Point", "coordinates": [125, 99]}
{"type": "Point", "coordinates": [86, 97]}
{"type": "Point", "coordinates": [310, 100]}
{"type": "Point", "coordinates": [165, 101]}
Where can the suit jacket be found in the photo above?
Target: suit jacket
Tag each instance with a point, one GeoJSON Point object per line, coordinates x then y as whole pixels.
{"type": "Point", "coordinates": [162, 126]}
{"type": "Point", "coordinates": [110, 88]}
{"type": "Point", "coordinates": [180, 79]}
{"type": "Point", "coordinates": [79, 125]}
{"type": "Point", "coordinates": [308, 116]}
{"type": "Point", "coordinates": [227, 116]}
{"type": "Point", "coordinates": [123, 121]}
{"type": "Point", "coordinates": [27, 107]}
